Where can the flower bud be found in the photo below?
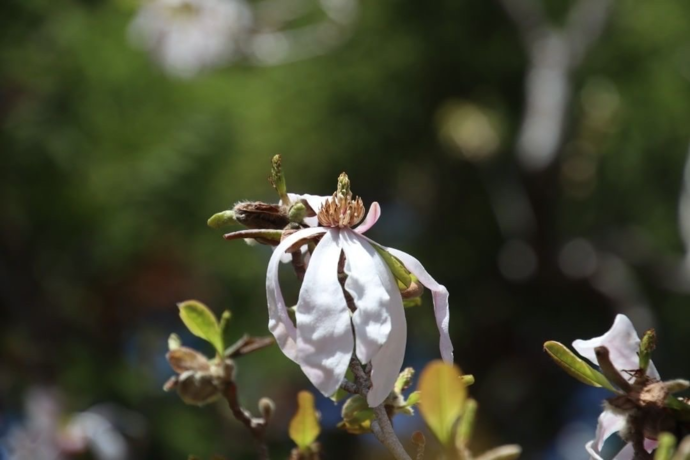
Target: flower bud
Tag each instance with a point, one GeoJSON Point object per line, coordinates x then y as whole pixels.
{"type": "Point", "coordinates": [222, 219]}
{"type": "Point", "coordinates": [267, 408]}
{"type": "Point", "coordinates": [297, 212]}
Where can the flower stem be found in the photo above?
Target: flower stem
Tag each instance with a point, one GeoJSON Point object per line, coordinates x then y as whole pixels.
{"type": "Point", "coordinates": [257, 427]}
{"type": "Point", "coordinates": [381, 427]}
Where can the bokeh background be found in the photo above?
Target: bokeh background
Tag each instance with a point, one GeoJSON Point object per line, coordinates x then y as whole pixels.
{"type": "Point", "coordinates": [447, 113]}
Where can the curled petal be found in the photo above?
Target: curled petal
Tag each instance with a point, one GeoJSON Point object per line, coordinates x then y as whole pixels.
{"type": "Point", "coordinates": [593, 452]}
{"type": "Point", "coordinates": [324, 328]}
{"type": "Point", "coordinates": [386, 364]}
{"type": "Point", "coordinates": [370, 220]}
{"type": "Point", "coordinates": [374, 291]}
{"type": "Point", "coordinates": [314, 201]}
{"type": "Point", "coordinates": [440, 298]}
{"type": "Point", "coordinates": [279, 322]}
{"type": "Point", "coordinates": [609, 423]}
{"type": "Point", "coordinates": [623, 344]}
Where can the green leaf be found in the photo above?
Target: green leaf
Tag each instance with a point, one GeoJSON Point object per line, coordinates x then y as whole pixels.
{"type": "Point", "coordinates": [443, 398]}
{"type": "Point", "coordinates": [467, 423]}
{"type": "Point", "coordinates": [304, 426]}
{"type": "Point", "coordinates": [682, 409]}
{"type": "Point", "coordinates": [413, 399]}
{"type": "Point", "coordinates": [398, 269]}
{"type": "Point", "coordinates": [201, 322]}
{"type": "Point", "coordinates": [667, 444]}
{"type": "Point", "coordinates": [576, 367]}
{"type": "Point", "coordinates": [507, 452]}
{"type": "Point", "coordinates": [467, 380]}
{"type": "Point", "coordinates": [357, 415]}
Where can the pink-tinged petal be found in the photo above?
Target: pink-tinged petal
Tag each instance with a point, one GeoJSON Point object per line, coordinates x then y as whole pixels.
{"type": "Point", "coordinates": [374, 291]}
{"type": "Point", "coordinates": [314, 201]}
{"type": "Point", "coordinates": [324, 328]}
{"type": "Point", "coordinates": [650, 445]}
{"type": "Point", "coordinates": [386, 364]}
{"type": "Point", "coordinates": [370, 220]}
{"type": "Point", "coordinates": [609, 423]}
{"type": "Point", "coordinates": [439, 296]}
{"type": "Point", "coordinates": [279, 322]}
{"type": "Point", "coordinates": [623, 344]}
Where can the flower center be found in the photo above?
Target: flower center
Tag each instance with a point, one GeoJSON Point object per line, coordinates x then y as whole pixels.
{"type": "Point", "coordinates": [341, 210]}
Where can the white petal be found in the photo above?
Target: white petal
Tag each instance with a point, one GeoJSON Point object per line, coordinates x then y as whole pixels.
{"type": "Point", "coordinates": [592, 451]}
{"type": "Point", "coordinates": [608, 424]}
{"type": "Point", "coordinates": [386, 364]}
{"type": "Point", "coordinates": [314, 201]}
{"type": "Point", "coordinates": [623, 344]}
{"type": "Point", "coordinates": [440, 298]}
{"type": "Point", "coordinates": [370, 220]}
{"type": "Point", "coordinates": [279, 322]}
{"type": "Point", "coordinates": [324, 328]}
{"type": "Point", "coordinates": [374, 291]}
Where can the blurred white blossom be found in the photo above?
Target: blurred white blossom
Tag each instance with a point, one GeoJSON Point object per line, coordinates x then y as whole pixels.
{"type": "Point", "coordinates": [188, 36]}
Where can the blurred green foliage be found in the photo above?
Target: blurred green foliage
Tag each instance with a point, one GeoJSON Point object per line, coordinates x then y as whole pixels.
{"type": "Point", "coordinates": [110, 169]}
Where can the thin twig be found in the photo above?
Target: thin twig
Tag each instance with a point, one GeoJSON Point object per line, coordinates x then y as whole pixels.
{"type": "Point", "coordinates": [257, 426]}
{"type": "Point", "coordinates": [381, 427]}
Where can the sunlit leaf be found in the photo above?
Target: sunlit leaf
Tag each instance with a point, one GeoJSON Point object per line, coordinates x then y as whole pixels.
{"type": "Point", "coordinates": [507, 452]}
{"type": "Point", "coordinates": [443, 397]}
{"type": "Point", "coordinates": [466, 427]}
{"type": "Point", "coordinates": [304, 426]}
{"type": "Point", "coordinates": [576, 367]}
{"type": "Point", "coordinates": [667, 444]}
{"type": "Point", "coordinates": [357, 415]}
{"type": "Point", "coordinates": [413, 399]}
{"type": "Point", "coordinates": [201, 322]}
{"type": "Point", "coordinates": [467, 380]}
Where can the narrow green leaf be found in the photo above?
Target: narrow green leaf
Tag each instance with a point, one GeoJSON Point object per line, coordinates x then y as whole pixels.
{"type": "Point", "coordinates": [667, 444]}
{"type": "Point", "coordinates": [398, 269]}
{"type": "Point", "coordinates": [576, 367]}
{"type": "Point", "coordinates": [467, 423]}
{"type": "Point", "coordinates": [304, 426]}
{"type": "Point", "coordinates": [507, 452]}
{"type": "Point", "coordinates": [413, 399]}
{"type": "Point", "coordinates": [467, 380]}
{"type": "Point", "coordinates": [201, 322]}
{"type": "Point", "coordinates": [443, 398]}
{"type": "Point", "coordinates": [682, 409]}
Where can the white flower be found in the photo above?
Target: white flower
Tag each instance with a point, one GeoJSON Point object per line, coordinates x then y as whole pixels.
{"type": "Point", "coordinates": [326, 331]}
{"type": "Point", "coordinates": [623, 344]}
{"type": "Point", "coordinates": [188, 36]}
